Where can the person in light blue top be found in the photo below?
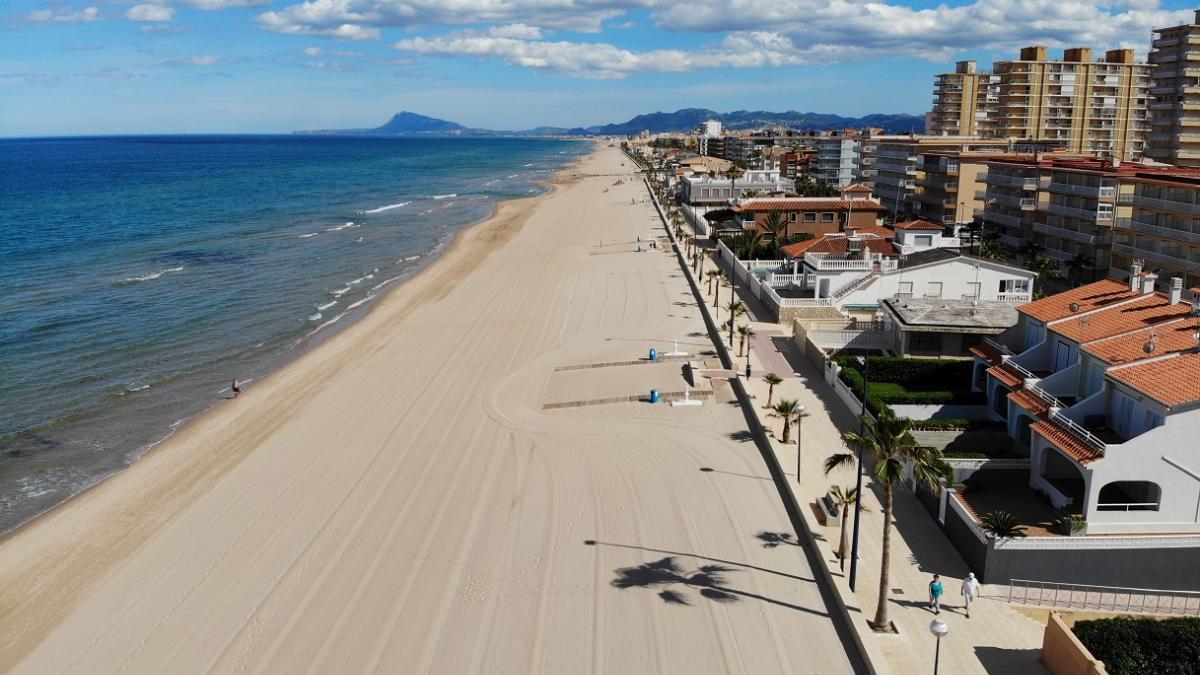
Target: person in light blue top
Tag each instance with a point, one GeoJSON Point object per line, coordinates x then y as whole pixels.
{"type": "Point", "coordinates": [935, 594]}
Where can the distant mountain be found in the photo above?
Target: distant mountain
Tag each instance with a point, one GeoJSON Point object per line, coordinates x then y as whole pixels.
{"type": "Point", "coordinates": [412, 124]}
{"type": "Point", "coordinates": [690, 118]}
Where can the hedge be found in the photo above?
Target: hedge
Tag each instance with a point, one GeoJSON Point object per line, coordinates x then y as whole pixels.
{"type": "Point", "coordinates": [1130, 646]}
{"type": "Point", "coordinates": [957, 424]}
{"type": "Point", "coordinates": [920, 374]}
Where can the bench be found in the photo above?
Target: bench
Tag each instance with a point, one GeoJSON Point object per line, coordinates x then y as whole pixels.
{"type": "Point", "coordinates": [826, 509]}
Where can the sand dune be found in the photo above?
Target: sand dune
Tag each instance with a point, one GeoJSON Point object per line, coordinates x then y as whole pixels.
{"type": "Point", "coordinates": [399, 501]}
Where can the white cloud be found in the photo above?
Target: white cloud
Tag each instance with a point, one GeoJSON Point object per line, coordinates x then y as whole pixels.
{"type": "Point", "coordinates": [606, 61]}
{"type": "Point", "coordinates": [155, 13]}
{"type": "Point", "coordinates": [159, 29]}
{"type": "Point", "coordinates": [203, 61]}
{"type": "Point", "coordinates": [313, 51]}
{"type": "Point", "coordinates": [86, 15]}
{"type": "Point", "coordinates": [519, 31]}
{"type": "Point", "coordinates": [213, 5]}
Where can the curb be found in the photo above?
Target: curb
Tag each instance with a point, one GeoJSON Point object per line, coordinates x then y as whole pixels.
{"type": "Point", "coordinates": [833, 587]}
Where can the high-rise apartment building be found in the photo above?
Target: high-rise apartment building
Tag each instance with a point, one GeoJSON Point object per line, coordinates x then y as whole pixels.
{"type": "Point", "coordinates": [1092, 107]}
{"type": "Point", "coordinates": [1174, 135]}
{"type": "Point", "coordinates": [889, 165]}
{"type": "Point", "coordinates": [964, 103]}
{"type": "Point", "coordinates": [836, 161]}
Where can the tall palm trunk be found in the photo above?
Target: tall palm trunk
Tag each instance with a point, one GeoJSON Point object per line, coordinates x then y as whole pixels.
{"type": "Point", "coordinates": [770, 394]}
{"type": "Point", "coordinates": [881, 610]}
{"type": "Point", "coordinates": [717, 295]}
{"type": "Point", "coordinates": [844, 544]}
{"type": "Point", "coordinates": [732, 321]}
{"type": "Point", "coordinates": [787, 429]}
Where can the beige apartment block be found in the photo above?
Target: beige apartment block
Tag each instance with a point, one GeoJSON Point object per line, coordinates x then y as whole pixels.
{"type": "Point", "coordinates": [964, 103]}
{"type": "Point", "coordinates": [1174, 135]}
{"type": "Point", "coordinates": [1164, 228]}
{"type": "Point", "coordinates": [947, 186]}
{"type": "Point", "coordinates": [1098, 108]}
{"type": "Point", "coordinates": [894, 162]}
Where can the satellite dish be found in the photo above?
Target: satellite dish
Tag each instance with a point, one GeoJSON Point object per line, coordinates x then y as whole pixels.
{"type": "Point", "coordinates": [1074, 307]}
{"type": "Point", "coordinates": [1149, 347]}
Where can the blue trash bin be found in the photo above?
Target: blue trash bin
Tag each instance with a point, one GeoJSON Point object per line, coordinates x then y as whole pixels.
{"type": "Point", "coordinates": [653, 354]}
{"type": "Point", "coordinates": [654, 396]}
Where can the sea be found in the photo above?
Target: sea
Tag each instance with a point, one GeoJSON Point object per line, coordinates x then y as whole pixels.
{"type": "Point", "coordinates": [140, 275]}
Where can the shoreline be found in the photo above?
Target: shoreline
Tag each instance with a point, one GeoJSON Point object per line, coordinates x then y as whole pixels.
{"type": "Point", "coordinates": [507, 217]}
{"type": "Point", "coordinates": [312, 341]}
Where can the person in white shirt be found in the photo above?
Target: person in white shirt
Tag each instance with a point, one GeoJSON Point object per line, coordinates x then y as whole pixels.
{"type": "Point", "coordinates": [970, 591]}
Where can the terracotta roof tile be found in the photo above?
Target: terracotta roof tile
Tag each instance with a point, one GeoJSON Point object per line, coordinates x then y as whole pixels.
{"type": "Point", "coordinates": [1149, 310]}
{"type": "Point", "coordinates": [918, 225]}
{"type": "Point", "coordinates": [1006, 375]}
{"type": "Point", "coordinates": [797, 249]}
{"type": "Point", "coordinates": [1168, 337]}
{"type": "Point", "coordinates": [1092, 296]}
{"type": "Point", "coordinates": [857, 188]}
{"type": "Point", "coordinates": [841, 246]}
{"type": "Point", "coordinates": [808, 204]}
{"type": "Point", "coordinates": [988, 353]}
{"type": "Point", "coordinates": [875, 230]}
{"type": "Point", "coordinates": [1031, 402]}
{"type": "Point", "coordinates": [1064, 440]}
{"type": "Point", "coordinates": [1172, 381]}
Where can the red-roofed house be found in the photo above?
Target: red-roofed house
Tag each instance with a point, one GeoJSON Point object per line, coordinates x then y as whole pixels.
{"type": "Point", "coordinates": [1102, 385]}
{"type": "Point", "coordinates": [808, 215]}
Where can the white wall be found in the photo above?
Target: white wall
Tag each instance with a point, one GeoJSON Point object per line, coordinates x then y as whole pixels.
{"type": "Point", "coordinates": [953, 274]}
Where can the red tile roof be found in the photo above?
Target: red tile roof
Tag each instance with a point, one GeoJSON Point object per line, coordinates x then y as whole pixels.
{"type": "Point", "coordinates": [1169, 337]}
{"type": "Point", "coordinates": [1030, 401]}
{"type": "Point", "coordinates": [857, 188]}
{"type": "Point", "coordinates": [988, 353]}
{"type": "Point", "coordinates": [808, 204]}
{"type": "Point", "coordinates": [1006, 375]}
{"type": "Point", "coordinates": [1102, 293]}
{"type": "Point", "coordinates": [1148, 310]}
{"type": "Point", "coordinates": [1073, 446]}
{"type": "Point", "coordinates": [1172, 381]}
{"type": "Point", "coordinates": [918, 225]}
{"type": "Point", "coordinates": [876, 230]}
{"type": "Point", "coordinates": [797, 249]}
{"type": "Point", "coordinates": [841, 246]}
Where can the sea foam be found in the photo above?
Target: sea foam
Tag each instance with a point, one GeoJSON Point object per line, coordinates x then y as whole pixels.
{"type": "Point", "coordinates": [381, 209]}
{"type": "Point", "coordinates": [152, 275]}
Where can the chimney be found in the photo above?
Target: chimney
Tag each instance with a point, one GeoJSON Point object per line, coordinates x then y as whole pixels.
{"type": "Point", "coordinates": [1176, 293]}
{"type": "Point", "coordinates": [1148, 280]}
{"type": "Point", "coordinates": [1135, 275]}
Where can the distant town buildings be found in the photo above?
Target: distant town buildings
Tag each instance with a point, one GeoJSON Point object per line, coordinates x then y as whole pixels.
{"type": "Point", "coordinates": [1174, 135]}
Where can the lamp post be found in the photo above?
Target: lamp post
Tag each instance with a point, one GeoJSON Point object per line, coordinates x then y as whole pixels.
{"type": "Point", "coordinates": [749, 334]}
{"type": "Point", "coordinates": [939, 629]}
{"type": "Point", "coordinates": [799, 418]}
{"type": "Point", "coordinates": [866, 364]}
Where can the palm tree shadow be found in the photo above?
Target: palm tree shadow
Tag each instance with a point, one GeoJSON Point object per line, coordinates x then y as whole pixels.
{"type": "Point", "coordinates": [708, 580]}
{"type": "Point", "coordinates": [774, 539]}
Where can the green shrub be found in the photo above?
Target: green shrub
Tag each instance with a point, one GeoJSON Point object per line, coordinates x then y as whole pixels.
{"type": "Point", "coordinates": [916, 374]}
{"type": "Point", "coordinates": [964, 454]}
{"type": "Point", "coordinates": [1143, 646]}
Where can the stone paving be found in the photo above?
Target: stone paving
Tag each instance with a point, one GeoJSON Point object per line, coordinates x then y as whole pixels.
{"type": "Point", "coordinates": [996, 639]}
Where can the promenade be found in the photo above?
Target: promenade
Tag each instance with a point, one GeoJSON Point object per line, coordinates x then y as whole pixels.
{"type": "Point", "coordinates": [406, 497]}
{"type": "Point", "coordinates": [996, 639]}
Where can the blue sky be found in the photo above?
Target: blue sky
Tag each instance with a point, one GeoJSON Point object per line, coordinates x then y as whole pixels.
{"type": "Point", "coordinates": [179, 66]}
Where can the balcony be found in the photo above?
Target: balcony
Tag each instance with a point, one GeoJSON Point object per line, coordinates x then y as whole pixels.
{"type": "Point", "coordinates": [1167, 205]}
{"type": "Point", "coordinates": [1001, 218]}
{"type": "Point", "coordinates": [1093, 191]}
{"type": "Point", "coordinates": [1104, 236]}
{"type": "Point", "coordinates": [1014, 181]}
{"type": "Point", "coordinates": [1072, 212]}
{"type": "Point", "coordinates": [1023, 203]}
{"type": "Point", "coordinates": [1158, 230]}
{"type": "Point", "coordinates": [1170, 261]}
{"type": "Point", "coordinates": [828, 262]}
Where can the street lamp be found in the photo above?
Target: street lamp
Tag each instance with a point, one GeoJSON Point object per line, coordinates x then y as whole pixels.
{"type": "Point", "coordinates": [799, 418]}
{"type": "Point", "coordinates": [749, 334]}
{"type": "Point", "coordinates": [866, 364]}
{"type": "Point", "coordinates": [939, 629]}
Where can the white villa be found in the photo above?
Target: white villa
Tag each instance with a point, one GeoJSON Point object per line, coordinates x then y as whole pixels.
{"type": "Point", "coordinates": [1102, 385]}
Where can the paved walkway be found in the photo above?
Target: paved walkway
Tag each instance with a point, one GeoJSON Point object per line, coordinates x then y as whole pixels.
{"type": "Point", "coordinates": [996, 639]}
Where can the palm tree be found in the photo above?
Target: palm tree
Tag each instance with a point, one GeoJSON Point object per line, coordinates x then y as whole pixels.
{"type": "Point", "coordinates": [771, 379]}
{"type": "Point", "coordinates": [1046, 269]}
{"type": "Point", "coordinates": [1075, 267]}
{"type": "Point", "coordinates": [712, 275]}
{"type": "Point", "coordinates": [722, 279]}
{"type": "Point", "coordinates": [1029, 250]}
{"type": "Point", "coordinates": [888, 441]}
{"type": "Point", "coordinates": [736, 309]}
{"type": "Point", "coordinates": [789, 410]}
{"type": "Point", "coordinates": [733, 173]}
{"type": "Point", "coordinates": [993, 250]}
{"type": "Point", "coordinates": [777, 224]}
{"type": "Point", "coordinates": [744, 331]}
{"type": "Point", "coordinates": [1002, 524]}
{"type": "Point", "coordinates": [843, 499]}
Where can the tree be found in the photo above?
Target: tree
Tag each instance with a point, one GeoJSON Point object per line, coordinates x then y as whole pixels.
{"type": "Point", "coordinates": [1002, 524]}
{"type": "Point", "coordinates": [1029, 250]}
{"type": "Point", "coordinates": [712, 276]}
{"type": "Point", "coordinates": [748, 194]}
{"type": "Point", "coordinates": [745, 245]}
{"type": "Point", "coordinates": [723, 279]}
{"type": "Point", "coordinates": [843, 499]}
{"type": "Point", "coordinates": [887, 439]}
{"type": "Point", "coordinates": [789, 410]}
{"type": "Point", "coordinates": [733, 173]}
{"type": "Point", "coordinates": [699, 269]}
{"type": "Point", "coordinates": [1076, 265]}
{"type": "Point", "coordinates": [777, 225]}
{"type": "Point", "coordinates": [1046, 269]}
{"type": "Point", "coordinates": [744, 332]}
{"type": "Point", "coordinates": [771, 379]}
{"type": "Point", "coordinates": [993, 250]}
{"type": "Point", "coordinates": [736, 309]}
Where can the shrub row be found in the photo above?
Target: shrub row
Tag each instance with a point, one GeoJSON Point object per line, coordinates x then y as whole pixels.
{"type": "Point", "coordinates": [1143, 646]}
{"type": "Point", "coordinates": [957, 424]}
{"type": "Point", "coordinates": [916, 374]}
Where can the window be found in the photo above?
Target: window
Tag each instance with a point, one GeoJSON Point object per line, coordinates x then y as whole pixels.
{"type": "Point", "coordinates": [933, 289]}
{"type": "Point", "coordinates": [1129, 495]}
{"type": "Point", "coordinates": [905, 290]}
{"type": "Point", "coordinates": [810, 217]}
{"type": "Point", "coordinates": [826, 217]}
{"type": "Point", "coordinates": [1104, 211]}
{"type": "Point", "coordinates": [974, 290]}
{"type": "Point", "coordinates": [923, 240]}
{"type": "Point", "coordinates": [792, 217]}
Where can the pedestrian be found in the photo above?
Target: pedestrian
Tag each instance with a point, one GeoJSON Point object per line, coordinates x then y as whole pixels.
{"type": "Point", "coordinates": [236, 387]}
{"type": "Point", "coordinates": [935, 594]}
{"type": "Point", "coordinates": [970, 591]}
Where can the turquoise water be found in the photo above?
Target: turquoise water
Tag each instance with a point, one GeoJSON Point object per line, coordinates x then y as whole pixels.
{"type": "Point", "coordinates": [138, 276]}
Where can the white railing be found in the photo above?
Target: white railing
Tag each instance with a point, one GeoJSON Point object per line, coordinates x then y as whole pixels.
{"type": "Point", "coordinates": [1103, 598]}
{"type": "Point", "coordinates": [1013, 296]}
{"type": "Point", "coordinates": [1078, 431]}
{"type": "Point", "coordinates": [998, 346]}
{"type": "Point", "coordinates": [1047, 398]}
{"type": "Point", "coordinates": [1132, 506]}
{"type": "Point", "coordinates": [1024, 372]}
{"type": "Point", "coordinates": [821, 262]}
{"type": "Point", "coordinates": [775, 280]}
{"type": "Point", "coordinates": [1169, 205]}
{"type": "Point", "coordinates": [853, 285]}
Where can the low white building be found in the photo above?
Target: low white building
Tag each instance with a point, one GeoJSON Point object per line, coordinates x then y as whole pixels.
{"type": "Point", "coordinates": [1101, 384]}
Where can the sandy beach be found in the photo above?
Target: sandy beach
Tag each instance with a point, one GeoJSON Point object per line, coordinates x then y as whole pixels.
{"type": "Point", "coordinates": [425, 492]}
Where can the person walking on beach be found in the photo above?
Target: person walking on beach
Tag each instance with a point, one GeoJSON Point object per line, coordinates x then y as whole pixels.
{"type": "Point", "coordinates": [935, 594]}
{"type": "Point", "coordinates": [236, 387]}
{"type": "Point", "coordinates": [970, 591]}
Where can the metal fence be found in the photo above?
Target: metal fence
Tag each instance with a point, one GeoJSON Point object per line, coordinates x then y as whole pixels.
{"type": "Point", "coordinates": [1104, 598]}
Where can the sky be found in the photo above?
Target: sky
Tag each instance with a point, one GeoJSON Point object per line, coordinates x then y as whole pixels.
{"type": "Point", "coordinates": [81, 67]}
